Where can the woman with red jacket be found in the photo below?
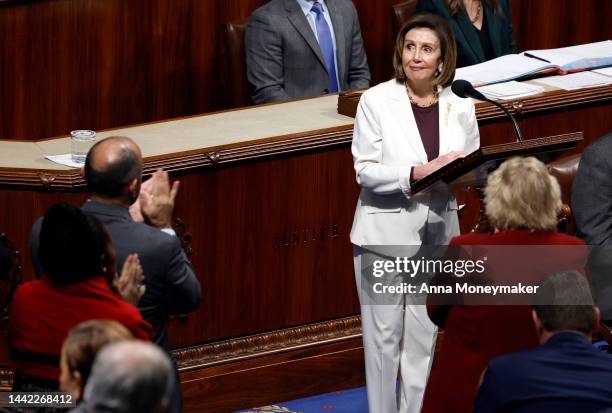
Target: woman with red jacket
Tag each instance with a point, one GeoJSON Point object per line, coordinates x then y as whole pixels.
{"type": "Point", "coordinates": [522, 202]}
{"type": "Point", "coordinates": [78, 285]}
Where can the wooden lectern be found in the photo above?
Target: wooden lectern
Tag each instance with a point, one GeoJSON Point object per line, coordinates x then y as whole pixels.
{"type": "Point", "coordinates": [472, 170]}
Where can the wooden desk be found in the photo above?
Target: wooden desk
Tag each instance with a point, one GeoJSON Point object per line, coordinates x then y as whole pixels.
{"type": "Point", "coordinates": [265, 207]}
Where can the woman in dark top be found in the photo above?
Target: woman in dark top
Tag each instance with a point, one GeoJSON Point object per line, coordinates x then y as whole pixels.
{"type": "Point", "coordinates": [482, 28]}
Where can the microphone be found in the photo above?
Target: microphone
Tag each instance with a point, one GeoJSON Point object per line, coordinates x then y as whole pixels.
{"type": "Point", "coordinates": [464, 89]}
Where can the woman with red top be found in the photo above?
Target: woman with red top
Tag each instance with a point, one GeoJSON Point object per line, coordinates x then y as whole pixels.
{"type": "Point", "coordinates": [522, 202]}
{"type": "Point", "coordinates": [77, 256]}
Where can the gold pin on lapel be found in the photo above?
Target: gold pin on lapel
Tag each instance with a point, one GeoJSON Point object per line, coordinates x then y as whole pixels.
{"type": "Point", "coordinates": [448, 109]}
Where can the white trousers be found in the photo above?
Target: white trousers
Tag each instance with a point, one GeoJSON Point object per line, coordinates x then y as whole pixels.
{"type": "Point", "coordinates": [398, 337]}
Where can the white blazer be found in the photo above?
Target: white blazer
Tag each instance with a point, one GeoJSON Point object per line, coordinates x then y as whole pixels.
{"type": "Point", "coordinates": [386, 144]}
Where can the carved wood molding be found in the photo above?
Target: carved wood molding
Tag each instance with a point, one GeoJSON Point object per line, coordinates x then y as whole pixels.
{"type": "Point", "coordinates": [71, 180]}
{"type": "Point", "coordinates": [6, 379]}
{"type": "Point", "coordinates": [544, 102]}
{"type": "Point", "coordinates": [185, 237]}
{"type": "Point", "coordinates": [347, 102]}
{"type": "Point", "coordinates": [254, 346]}
{"type": "Point", "coordinates": [273, 342]}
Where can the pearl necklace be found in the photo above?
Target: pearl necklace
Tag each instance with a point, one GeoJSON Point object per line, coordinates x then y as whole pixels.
{"type": "Point", "coordinates": [433, 101]}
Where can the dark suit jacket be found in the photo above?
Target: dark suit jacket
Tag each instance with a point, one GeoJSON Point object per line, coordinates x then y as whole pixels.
{"type": "Point", "coordinates": [592, 210]}
{"type": "Point", "coordinates": [566, 374]}
{"type": "Point", "coordinates": [283, 57]}
{"type": "Point", "coordinates": [469, 49]}
{"type": "Point", "coordinates": [592, 193]}
{"type": "Point", "coordinates": [172, 287]}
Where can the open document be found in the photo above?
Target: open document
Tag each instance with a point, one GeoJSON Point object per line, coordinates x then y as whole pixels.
{"type": "Point", "coordinates": [580, 80]}
{"type": "Point", "coordinates": [534, 62]}
{"type": "Point", "coordinates": [581, 57]}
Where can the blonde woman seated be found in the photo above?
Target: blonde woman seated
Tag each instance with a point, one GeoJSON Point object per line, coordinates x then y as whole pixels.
{"type": "Point", "coordinates": [522, 202]}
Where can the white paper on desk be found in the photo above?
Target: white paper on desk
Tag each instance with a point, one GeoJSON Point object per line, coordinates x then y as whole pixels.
{"type": "Point", "coordinates": [607, 71]}
{"type": "Point", "coordinates": [577, 80]}
{"type": "Point", "coordinates": [578, 57]}
{"type": "Point", "coordinates": [510, 90]}
{"type": "Point", "coordinates": [65, 159]}
{"type": "Point", "coordinates": [501, 69]}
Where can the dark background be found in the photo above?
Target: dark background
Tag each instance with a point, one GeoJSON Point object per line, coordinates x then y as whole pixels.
{"type": "Point", "coordinates": [96, 64]}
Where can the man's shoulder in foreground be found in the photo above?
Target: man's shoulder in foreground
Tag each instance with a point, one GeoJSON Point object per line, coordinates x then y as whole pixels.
{"type": "Point", "coordinates": [603, 142]}
{"type": "Point", "coordinates": [566, 371]}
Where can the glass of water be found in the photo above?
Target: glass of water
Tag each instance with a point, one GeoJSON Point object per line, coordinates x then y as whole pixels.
{"type": "Point", "coordinates": [81, 142]}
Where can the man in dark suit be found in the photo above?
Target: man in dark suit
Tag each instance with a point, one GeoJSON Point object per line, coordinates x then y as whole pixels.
{"type": "Point", "coordinates": [300, 48]}
{"type": "Point", "coordinates": [113, 172]}
{"type": "Point", "coordinates": [592, 210]}
{"type": "Point", "coordinates": [566, 373]}
{"type": "Point", "coordinates": [592, 193]}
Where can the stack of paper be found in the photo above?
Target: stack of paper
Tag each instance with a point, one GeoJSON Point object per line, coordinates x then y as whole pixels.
{"type": "Point", "coordinates": [607, 71]}
{"type": "Point", "coordinates": [577, 80]}
{"type": "Point", "coordinates": [509, 90]}
{"type": "Point", "coordinates": [537, 62]}
{"type": "Point", "coordinates": [583, 56]}
{"type": "Point", "coordinates": [502, 69]}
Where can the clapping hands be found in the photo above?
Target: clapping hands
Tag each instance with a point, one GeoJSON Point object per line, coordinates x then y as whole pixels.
{"type": "Point", "coordinates": [129, 284]}
{"type": "Point", "coordinates": [155, 203]}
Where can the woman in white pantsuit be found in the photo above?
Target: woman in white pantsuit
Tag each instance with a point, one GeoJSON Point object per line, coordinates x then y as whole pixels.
{"type": "Point", "coordinates": [405, 129]}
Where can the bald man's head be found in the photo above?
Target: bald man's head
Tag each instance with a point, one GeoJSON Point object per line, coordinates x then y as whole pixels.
{"type": "Point", "coordinates": [113, 169]}
{"type": "Point", "coordinates": [130, 376]}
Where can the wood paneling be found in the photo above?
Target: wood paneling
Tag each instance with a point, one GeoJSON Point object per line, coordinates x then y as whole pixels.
{"type": "Point", "coordinates": [591, 120]}
{"type": "Point", "coordinates": [94, 64]}
{"type": "Point", "coordinates": [269, 238]}
{"type": "Point", "coordinates": [270, 242]}
{"type": "Point", "coordinates": [69, 64]}
{"type": "Point", "coordinates": [545, 24]}
{"type": "Point", "coordinates": [269, 229]}
{"type": "Point", "coordinates": [273, 379]}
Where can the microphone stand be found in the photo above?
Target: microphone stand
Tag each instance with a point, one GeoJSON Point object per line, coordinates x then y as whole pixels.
{"type": "Point", "coordinates": [517, 130]}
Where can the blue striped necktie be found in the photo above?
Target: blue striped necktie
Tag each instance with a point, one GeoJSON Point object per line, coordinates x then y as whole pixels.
{"type": "Point", "coordinates": [326, 44]}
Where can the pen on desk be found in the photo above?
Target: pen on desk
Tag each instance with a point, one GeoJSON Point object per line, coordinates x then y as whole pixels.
{"type": "Point", "coordinates": [536, 57]}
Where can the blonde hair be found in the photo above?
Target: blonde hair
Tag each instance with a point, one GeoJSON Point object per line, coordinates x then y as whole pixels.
{"type": "Point", "coordinates": [521, 193]}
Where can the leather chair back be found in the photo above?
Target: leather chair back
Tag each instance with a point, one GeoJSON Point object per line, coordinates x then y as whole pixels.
{"type": "Point", "coordinates": [564, 169]}
{"type": "Point", "coordinates": [234, 78]}
{"type": "Point", "coordinates": [400, 13]}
